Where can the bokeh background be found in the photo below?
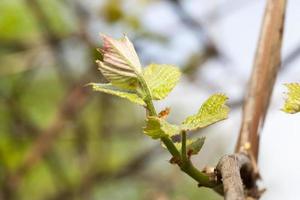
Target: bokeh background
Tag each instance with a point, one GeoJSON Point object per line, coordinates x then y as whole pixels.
{"type": "Point", "coordinates": [59, 140]}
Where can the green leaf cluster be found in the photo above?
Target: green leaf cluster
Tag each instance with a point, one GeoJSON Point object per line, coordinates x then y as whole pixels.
{"type": "Point", "coordinates": [120, 65]}
{"type": "Point", "coordinates": [211, 111]}
{"type": "Point", "coordinates": [292, 101]}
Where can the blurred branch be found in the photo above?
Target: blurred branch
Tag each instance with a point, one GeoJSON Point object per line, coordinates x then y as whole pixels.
{"type": "Point", "coordinates": [20, 122]}
{"type": "Point", "coordinates": [210, 49]}
{"type": "Point", "coordinates": [193, 24]}
{"type": "Point", "coordinates": [74, 101]}
{"type": "Point", "coordinates": [290, 58]}
{"type": "Point", "coordinates": [266, 64]}
{"type": "Point", "coordinates": [82, 16]}
{"type": "Point", "coordinates": [75, 98]}
{"type": "Point", "coordinates": [51, 39]}
{"type": "Point", "coordinates": [225, 9]}
{"type": "Point", "coordinates": [199, 59]}
{"type": "Point", "coordinates": [133, 167]}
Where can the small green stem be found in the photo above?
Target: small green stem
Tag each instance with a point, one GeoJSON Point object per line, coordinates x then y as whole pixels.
{"type": "Point", "coordinates": [184, 163]}
{"type": "Point", "coordinates": [152, 112]}
{"type": "Point", "coordinates": [150, 107]}
{"type": "Point", "coordinates": [183, 147]}
{"type": "Point", "coordinates": [202, 178]}
{"type": "Point", "coordinates": [188, 167]}
{"type": "Point", "coordinates": [148, 98]}
{"type": "Point", "coordinates": [171, 147]}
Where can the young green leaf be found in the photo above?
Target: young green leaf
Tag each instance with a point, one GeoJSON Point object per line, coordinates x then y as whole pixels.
{"type": "Point", "coordinates": [211, 111]}
{"type": "Point", "coordinates": [120, 65]}
{"type": "Point", "coordinates": [193, 146]}
{"type": "Point", "coordinates": [161, 79]}
{"type": "Point", "coordinates": [292, 102]}
{"type": "Point", "coordinates": [157, 128]}
{"type": "Point", "coordinates": [110, 89]}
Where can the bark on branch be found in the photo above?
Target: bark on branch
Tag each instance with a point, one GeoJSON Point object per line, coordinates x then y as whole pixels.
{"type": "Point", "coordinates": [239, 172]}
{"type": "Point", "coordinates": [235, 172]}
{"type": "Point", "coordinates": [229, 167]}
{"type": "Point", "coordinates": [265, 68]}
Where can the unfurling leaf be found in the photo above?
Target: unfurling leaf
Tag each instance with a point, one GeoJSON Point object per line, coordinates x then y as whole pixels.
{"type": "Point", "coordinates": [161, 79]}
{"type": "Point", "coordinates": [292, 102]}
{"type": "Point", "coordinates": [120, 64]}
{"type": "Point", "coordinates": [157, 128]}
{"type": "Point", "coordinates": [193, 146]}
{"type": "Point", "coordinates": [110, 89]}
{"type": "Point", "coordinates": [211, 111]}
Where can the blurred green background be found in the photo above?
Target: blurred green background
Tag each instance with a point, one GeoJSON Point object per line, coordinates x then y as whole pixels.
{"type": "Point", "coordinates": [59, 140]}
